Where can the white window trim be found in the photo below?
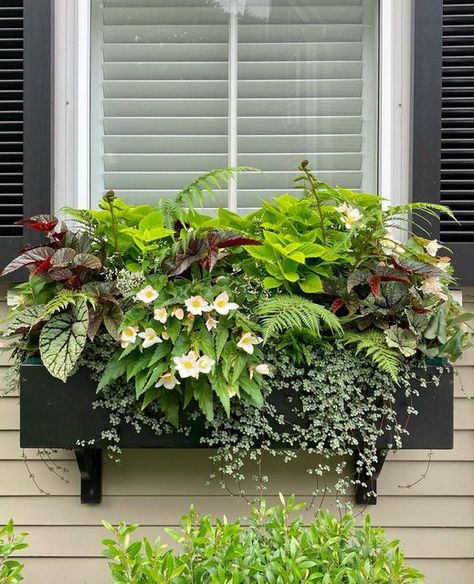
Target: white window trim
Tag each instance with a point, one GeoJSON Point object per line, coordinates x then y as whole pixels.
{"type": "Point", "coordinates": [72, 110]}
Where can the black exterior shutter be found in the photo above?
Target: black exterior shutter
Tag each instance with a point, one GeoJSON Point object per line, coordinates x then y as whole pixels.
{"type": "Point", "coordinates": [25, 119]}
{"type": "Point", "coordinates": [443, 129]}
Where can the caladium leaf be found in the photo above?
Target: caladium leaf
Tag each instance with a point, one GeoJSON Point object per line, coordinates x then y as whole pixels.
{"type": "Point", "coordinates": [39, 222]}
{"type": "Point", "coordinates": [62, 340]}
{"type": "Point", "coordinates": [25, 321]}
{"type": "Point", "coordinates": [32, 256]}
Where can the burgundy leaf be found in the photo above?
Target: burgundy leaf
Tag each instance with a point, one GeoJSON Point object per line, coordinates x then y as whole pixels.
{"type": "Point", "coordinates": [374, 283]}
{"type": "Point", "coordinates": [95, 320]}
{"type": "Point", "coordinates": [34, 255]}
{"type": "Point", "coordinates": [43, 266]}
{"type": "Point", "coordinates": [337, 305]}
{"type": "Point", "coordinates": [237, 240]}
{"type": "Point", "coordinates": [60, 274]}
{"type": "Point", "coordinates": [74, 282]}
{"type": "Point", "coordinates": [87, 260]}
{"type": "Point", "coordinates": [185, 258]}
{"type": "Point", "coordinates": [39, 222]}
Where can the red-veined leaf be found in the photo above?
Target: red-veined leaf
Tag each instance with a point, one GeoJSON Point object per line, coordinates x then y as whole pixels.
{"type": "Point", "coordinates": [35, 255]}
{"type": "Point", "coordinates": [43, 266]}
{"type": "Point", "coordinates": [63, 257]}
{"type": "Point", "coordinates": [39, 222]}
{"type": "Point", "coordinates": [60, 274]}
{"type": "Point", "coordinates": [374, 283]}
{"type": "Point", "coordinates": [337, 305]}
{"type": "Point", "coordinates": [87, 260]}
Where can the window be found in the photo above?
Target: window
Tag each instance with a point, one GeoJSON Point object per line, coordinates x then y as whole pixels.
{"type": "Point", "coordinates": [178, 87]}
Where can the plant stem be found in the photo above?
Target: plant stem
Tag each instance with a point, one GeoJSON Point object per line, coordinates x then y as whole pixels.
{"type": "Point", "coordinates": [314, 183]}
{"type": "Point", "coordinates": [109, 197]}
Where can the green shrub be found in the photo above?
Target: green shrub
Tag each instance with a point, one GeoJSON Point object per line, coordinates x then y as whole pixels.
{"type": "Point", "coordinates": [275, 548]}
{"type": "Point", "coordinates": [10, 570]}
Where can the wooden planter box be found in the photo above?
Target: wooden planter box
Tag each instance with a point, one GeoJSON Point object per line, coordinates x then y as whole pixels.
{"type": "Point", "coordinates": [54, 414]}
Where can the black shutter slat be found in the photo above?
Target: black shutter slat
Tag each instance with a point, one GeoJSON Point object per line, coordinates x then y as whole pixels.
{"type": "Point", "coordinates": [11, 118]}
{"type": "Point", "coordinates": [457, 122]}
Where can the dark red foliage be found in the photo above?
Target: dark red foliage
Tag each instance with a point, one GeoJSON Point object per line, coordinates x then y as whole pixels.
{"type": "Point", "coordinates": [337, 305]}
{"type": "Point", "coordinates": [39, 222]}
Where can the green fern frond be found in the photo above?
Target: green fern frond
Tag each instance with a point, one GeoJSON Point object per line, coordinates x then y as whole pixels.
{"type": "Point", "coordinates": [82, 216]}
{"type": "Point", "coordinates": [373, 344]}
{"type": "Point", "coordinates": [193, 194]}
{"type": "Point", "coordinates": [63, 300]}
{"type": "Point", "coordinates": [420, 209]}
{"type": "Point", "coordinates": [287, 313]}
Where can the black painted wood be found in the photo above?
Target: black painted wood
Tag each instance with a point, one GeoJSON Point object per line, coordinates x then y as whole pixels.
{"type": "Point", "coordinates": [25, 147]}
{"type": "Point", "coordinates": [60, 415]}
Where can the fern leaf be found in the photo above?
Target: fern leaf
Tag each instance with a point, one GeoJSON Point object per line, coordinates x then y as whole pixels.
{"type": "Point", "coordinates": [373, 344]}
{"type": "Point", "coordinates": [286, 313]}
{"type": "Point", "coordinates": [63, 300]}
{"type": "Point", "coordinates": [193, 194]}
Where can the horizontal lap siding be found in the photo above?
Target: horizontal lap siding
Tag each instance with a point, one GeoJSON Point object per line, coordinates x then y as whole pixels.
{"type": "Point", "coordinates": [434, 518]}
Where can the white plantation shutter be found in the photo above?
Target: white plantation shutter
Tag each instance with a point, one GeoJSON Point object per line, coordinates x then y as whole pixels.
{"type": "Point", "coordinates": [305, 87]}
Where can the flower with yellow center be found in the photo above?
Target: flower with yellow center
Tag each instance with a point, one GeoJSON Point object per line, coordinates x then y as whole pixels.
{"type": "Point", "coordinates": [247, 342]}
{"type": "Point", "coordinates": [205, 364]}
{"type": "Point", "coordinates": [222, 305]}
{"type": "Point", "coordinates": [147, 295]}
{"type": "Point", "coordinates": [160, 314]}
{"type": "Point", "coordinates": [149, 337]}
{"type": "Point", "coordinates": [128, 336]}
{"type": "Point", "coordinates": [197, 305]}
{"type": "Point", "coordinates": [187, 365]}
{"type": "Point", "coordinates": [15, 300]}
{"type": "Point", "coordinates": [168, 381]}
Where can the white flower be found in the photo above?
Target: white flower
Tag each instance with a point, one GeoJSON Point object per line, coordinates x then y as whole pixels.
{"type": "Point", "coordinates": [351, 217]}
{"type": "Point", "coordinates": [160, 314]}
{"type": "Point", "coordinates": [247, 341]}
{"type": "Point", "coordinates": [205, 364]}
{"type": "Point", "coordinates": [15, 300]}
{"type": "Point", "coordinates": [168, 381]}
{"type": "Point", "coordinates": [444, 263]}
{"type": "Point", "coordinates": [433, 286]}
{"type": "Point", "coordinates": [197, 305]}
{"type": "Point", "coordinates": [432, 247]}
{"type": "Point", "coordinates": [222, 305]}
{"type": "Point", "coordinates": [128, 335]}
{"type": "Point", "coordinates": [178, 313]}
{"type": "Point", "coordinates": [147, 295]}
{"type": "Point", "coordinates": [343, 208]}
{"type": "Point", "coordinates": [187, 365]}
{"type": "Point", "coordinates": [261, 368]}
{"type": "Point", "coordinates": [211, 323]}
{"type": "Point", "coordinates": [165, 335]}
{"type": "Point", "coordinates": [149, 337]}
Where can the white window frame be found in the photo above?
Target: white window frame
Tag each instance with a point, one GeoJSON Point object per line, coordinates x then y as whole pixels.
{"type": "Point", "coordinates": [72, 102]}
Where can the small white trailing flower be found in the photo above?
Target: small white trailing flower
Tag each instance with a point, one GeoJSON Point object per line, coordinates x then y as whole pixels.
{"type": "Point", "coordinates": [147, 295]}
{"type": "Point", "coordinates": [161, 315]}
{"type": "Point", "coordinates": [343, 208]}
{"type": "Point", "coordinates": [197, 305]}
{"type": "Point", "coordinates": [178, 313]}
{"type": "Point", "coordinates": [15, 300]}
{"type": "Point", "coordinates": [247, 342]}
{"type": "Point", "coordinates": [262, 368]}
{"type": "Point", "coordinates": [128, 336]}
{"type": "Point", "coordinates": [165, 335]}
{"type": "Point", "coordinates": [205, 364]}
{"type": "Point", "coordinates": [432, 247]}
{"type": "Point", "coordinates": [187, 365]}
{"type": "Point", "coordinates": [167, 380]}
{"type": "Point", "coordinates": [222, 305]}
{"type": "Point", "coordinates": [149, 337]}
{"type": "Point", "coordinates": [211, 323]}
{"type": "Point", "coordinates": [433, 286]}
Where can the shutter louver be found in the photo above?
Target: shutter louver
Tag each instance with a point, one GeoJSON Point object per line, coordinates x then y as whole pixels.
{"type": "Point", "coordinates": [457, 153]}
{"type": "Point", "coordinates": [11, 119]}
{"type": "Point", "coordinates": [306, 89]}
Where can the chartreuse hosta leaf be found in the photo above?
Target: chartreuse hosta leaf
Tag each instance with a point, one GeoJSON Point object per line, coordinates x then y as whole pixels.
{"type": "Point", "coordinates": [63, 338]}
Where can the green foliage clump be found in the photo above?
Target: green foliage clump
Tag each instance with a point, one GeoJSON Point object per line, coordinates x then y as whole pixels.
{"type": "Point", "coordinates": [276, 547]}
{"type": "Point", "coordinates": [10, 542]}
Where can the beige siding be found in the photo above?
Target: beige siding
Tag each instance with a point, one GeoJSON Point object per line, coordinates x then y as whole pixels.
{"type": "Point", "coordinates": [434, 518]}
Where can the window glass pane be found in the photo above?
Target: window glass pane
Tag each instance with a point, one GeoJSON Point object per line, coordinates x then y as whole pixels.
{"type": "Point", "coordinates": [159, 96]}
{"type": "Point", "coordinates": [182, 86]}
{"type": "Point", "coordinates": [307, 89]}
